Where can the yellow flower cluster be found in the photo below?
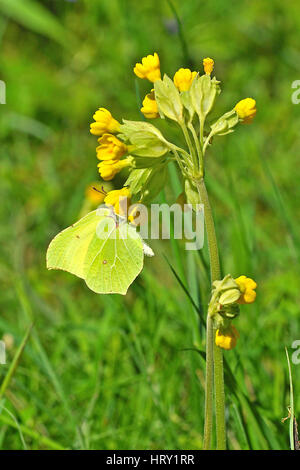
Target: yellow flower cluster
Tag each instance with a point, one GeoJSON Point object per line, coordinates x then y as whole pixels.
{"type": "Point", "coordinates": [149, 68]}
{"type": "Point", "coordinates": [246, 110]}
{"type": "Point", "coordinates": [227, 336]}
{"type": "Point", "coordinates": [111, 149]}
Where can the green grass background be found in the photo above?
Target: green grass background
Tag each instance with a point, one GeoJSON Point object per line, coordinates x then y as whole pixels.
{"type": "Point", "coordinates": [113, 372]}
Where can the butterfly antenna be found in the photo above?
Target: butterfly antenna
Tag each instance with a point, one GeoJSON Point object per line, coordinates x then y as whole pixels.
{"type": "Point", "coordinates": [101, 191]}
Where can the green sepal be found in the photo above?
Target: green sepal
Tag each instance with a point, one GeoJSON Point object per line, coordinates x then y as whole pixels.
{"type": "Point", "coordinates": [203, 93]}
{"type": "Point", "coordinates": [188, 104]}
{"type": "Point", "coordinates": [192, 195]}
{"type": "Point", "coordinates": [137, 179]}
{"type": "Point", "coordinates": [227, 283]}
{"type": "Point", "coordinates": [224, 125]}
{"type": "Point", "coordinates": [229, 296]}
{"type": "Point", "coordinates": [141, 162]}
{"type": "Point", "coordinates": [147, 182]}
{"type": "Point", "coordinates": [221, 322]}
{"type": "Point", "coordinates": [156, 181]}
{"type": "Point", "coordinates": [168, 99]}
{"type": "Point", "coordinates": [146, 139]}
{"type": "Point", "coordinates": [225, 295]}
{"type": "Point", "coordinates": [229, 311]}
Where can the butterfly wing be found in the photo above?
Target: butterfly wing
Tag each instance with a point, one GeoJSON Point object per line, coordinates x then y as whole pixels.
{"type": "Point", "coordinates": [114, 263]}
{"type": "Point", "coordinates": [108, 256]}
{"type": "Point", "coordinates": [67, 251]}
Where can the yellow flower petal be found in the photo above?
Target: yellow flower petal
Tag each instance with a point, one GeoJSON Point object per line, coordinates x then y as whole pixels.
{"type": "Point", "coordinates": [109, 168]}
{"type": "Point", "coordinates": [208, 65]}
{"type": "Point", "coordinates": [149, 68]}
{"type": "Point", "coordinates": [110, 148]}
{"type": "Point", "coordinates": [150, 109]}
{"type": "Point", "coordinates": [246, 110]}
{"type": "Point", "coordinates": [246, 286]}
{"type": "Point", "coordinates": [226, 338]}
{"type": "Point", "coordinates": [119, 199]}
{"type": "Point", "coordinates": [104, 123]}
{"type": "Point", "coordinates": [183, 79]}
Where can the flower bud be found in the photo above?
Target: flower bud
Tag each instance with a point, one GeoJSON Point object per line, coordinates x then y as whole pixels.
{"type": "Point", "coordinates": [247, 288]}
{"type": "Point", "coordinates": [149, 68]}
{"type": "Point", "coordinates": [150, 109]}
{"type": "Point", "coordinates": [246, 110]}
{"type": "Point", "coordinates": [104, 123]}
{"type": "Point", "coordinates": [183, 79]}
{"type": "Point", "coordinates": [208, 65]}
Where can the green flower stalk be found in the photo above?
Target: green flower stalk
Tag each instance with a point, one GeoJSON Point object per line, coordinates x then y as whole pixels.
{"type": "Point", "coordinates": [141, 148]}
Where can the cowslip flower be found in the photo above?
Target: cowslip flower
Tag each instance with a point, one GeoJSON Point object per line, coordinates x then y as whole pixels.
{"type": "Point", "coordinates": [110, 148]}
{"type": "Point", "coordinates": [104, 123]}
{"type": "Point", "coordinates": [246, 110]}
{"type": "Point", "coordinates": [208, 65]}
{"type": "Point", "coordinates": [149, 68]}
{"type": "Point", "coordinates": [183, 79]}
{"type": "Point", "coordinates": [226, 338]}
{"type": "Point", "coordinates": [247, 287]}
{"type": "Point", "coordinates": [119, 199]}
{"type": "Point", "coordinates": [109, 168]}
{"type": "Point", "coordinates": [150, 109]}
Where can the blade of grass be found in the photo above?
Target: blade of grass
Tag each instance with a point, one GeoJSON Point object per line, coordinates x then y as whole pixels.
{"type": "Point", "coordinates": [183, 43]}
{"type": "Point", "coordinates": [282, 208]}
{"type": "Point", "coordinates": [45, 361]}
{"type": "Point", "coordinates": [243, 438]}
{"type": "Point", "coordinates": [174, 242]}
{"type": "Point", "coordinates": [15, 362]}
{"type": "Point", "coordinates": [14, 420]}
{"type": "Point", "coordinates": [35, 17]}
{"type": "Point", "coordinates": [31, 433]}
{"type": "Point", "coordinates": [292, 414]}
{"type": "Point", "coordinates": [196, 307]}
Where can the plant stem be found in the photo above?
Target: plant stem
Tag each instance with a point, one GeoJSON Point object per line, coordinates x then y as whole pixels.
{"type": "Point", "coordinates": [219, 397]}
{"type": "Point", "coordinates": [209, 384]}
{"type": "Point", "coordinates": [201, 132]}
{"type": "Point", "coordinates": [215, 271]}
{"type": "Point", "coordinates": [214, 356]}
{"type": "Point", "coordinates": [199, 151]}
{"type": "Point", "coordinates": [189, 143]}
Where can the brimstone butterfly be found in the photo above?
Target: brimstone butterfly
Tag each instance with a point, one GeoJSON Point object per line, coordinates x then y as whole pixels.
{"type": "Point", "coordinates": [101, 248]}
